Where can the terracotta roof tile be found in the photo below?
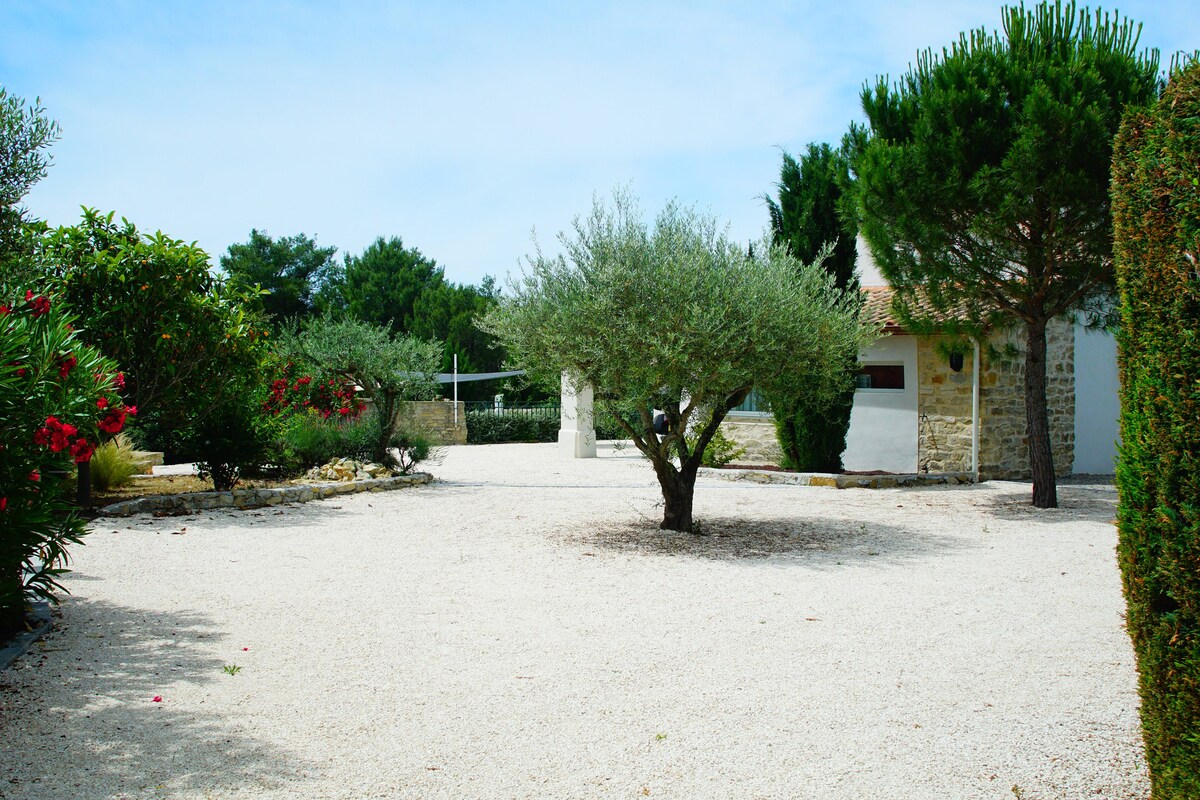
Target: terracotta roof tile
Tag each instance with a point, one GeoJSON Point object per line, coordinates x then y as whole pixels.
{"type": "Point", "coordinates": [878, 309]}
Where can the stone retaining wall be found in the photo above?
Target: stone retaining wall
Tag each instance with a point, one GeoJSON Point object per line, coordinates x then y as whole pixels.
{"type": "Point", "coordinates": [256, 498]}
{"type": "Point", "coordinates": [837, 481]}
{"type": "Point", "coordinates": [437, 417]}
{"type": "Point", "coordinates": [757, 435]}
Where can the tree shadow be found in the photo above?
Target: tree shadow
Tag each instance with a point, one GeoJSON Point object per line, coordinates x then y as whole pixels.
{"type": "Point", "coordinates": [813, 541]}
{"type": "Point", "coordinates": [311, 513]}
{"type": "Point", "coordinates": [78, 717]}
{"type": "Point", "coordinates": [1091, 502]}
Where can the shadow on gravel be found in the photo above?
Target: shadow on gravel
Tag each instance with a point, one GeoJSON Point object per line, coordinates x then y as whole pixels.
{"type": "Point", "coordinates": [812, 541]}
{"type": "Point", "coordinates": [1089, 503]}
{"type": "Point", "coordinates": [77, 717]}
{"type": "Point", "coordinates": [290, 515]}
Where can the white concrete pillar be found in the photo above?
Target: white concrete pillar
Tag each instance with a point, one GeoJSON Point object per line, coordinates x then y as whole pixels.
{"type": "Point", "coordinates": [576, 434]}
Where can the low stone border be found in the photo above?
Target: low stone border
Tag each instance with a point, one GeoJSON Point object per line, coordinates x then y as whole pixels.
{"type": "Point", "coordinates": [839, 481]}
{"type": "Point", "coordinates": [257, 498]}
{"type": "Point", "coordinates": [20, 645]}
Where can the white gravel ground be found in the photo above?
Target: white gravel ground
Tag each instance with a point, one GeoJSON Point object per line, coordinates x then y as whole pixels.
{"type": "Point", "coordinates": [521, 629]}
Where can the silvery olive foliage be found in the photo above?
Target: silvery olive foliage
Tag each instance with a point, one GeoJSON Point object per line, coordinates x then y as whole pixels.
{"type": "Point", "coordinates": [674, 316]}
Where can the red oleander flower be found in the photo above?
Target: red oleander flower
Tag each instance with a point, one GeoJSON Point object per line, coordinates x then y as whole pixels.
{"type": "Point", "coordinates": [82, 451]}
{"type": "Point", "coordinates": [119, 381]}
{"type": "Point", "coordinates": [35, 476]}
{"type": "Point", "coordinates": [113, 421]}
{"type": "Point", "coordinates": [3, 503]}
{"type": "Point", "coordinates": [102, 403]}
{"type": "Point", "coordinates": [66, 364]}
{"type": "Point", "coordinates": [5, 309]}
{"type": "Point", "coordinates": [131, 410]}
{"type": "Point", "coordinates": [59, 441]}
{"type": "Point", "coordinates": [38, 305]}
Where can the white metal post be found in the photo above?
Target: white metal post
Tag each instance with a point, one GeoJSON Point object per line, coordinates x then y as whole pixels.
{"type": "Point", "coordinates": [975, 414]}
{"type": "Point", "coordinates": [456, 390]}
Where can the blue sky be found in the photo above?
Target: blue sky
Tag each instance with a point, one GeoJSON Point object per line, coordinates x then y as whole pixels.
{"type": "Point", "coordinates": [457, 126]}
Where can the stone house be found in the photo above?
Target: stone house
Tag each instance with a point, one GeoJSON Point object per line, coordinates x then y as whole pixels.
{"type": "Point", "coordinates": [913, 409]}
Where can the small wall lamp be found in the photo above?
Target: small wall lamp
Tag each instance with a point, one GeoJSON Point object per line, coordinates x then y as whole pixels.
{"type": "Point", "coordinates": [956, 362]}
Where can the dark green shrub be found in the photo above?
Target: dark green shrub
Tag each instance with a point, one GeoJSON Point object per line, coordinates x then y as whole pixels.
{"type": "Point", "coordinates": [309, 440]}
{"type": "Point", "coordinates": [235, 437]}
{"type": "Point", "coordinates": [485, 427]}
{"type": "Point", "coordinates": [1156, 205]}
{"type": "Point", "coordinates": [412, 447]}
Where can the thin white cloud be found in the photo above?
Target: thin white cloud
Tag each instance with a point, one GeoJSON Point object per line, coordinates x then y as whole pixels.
{"type": "Point", "coordinates": [456, 126]}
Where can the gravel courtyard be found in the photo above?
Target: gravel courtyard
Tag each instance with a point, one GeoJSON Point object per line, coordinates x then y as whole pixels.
{"type": "Point", "coordinates": [521, 629]}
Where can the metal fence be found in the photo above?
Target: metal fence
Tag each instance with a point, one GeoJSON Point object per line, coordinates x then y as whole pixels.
{"type": "Point", "coordinates": [550, 411]}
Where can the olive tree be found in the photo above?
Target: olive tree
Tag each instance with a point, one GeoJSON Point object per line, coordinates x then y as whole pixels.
{"type": "Point", "coordinates": [675, 317]}
{"type": "Point", "coordinates": [389, 368]}
{"type": "Point", "coordinates": [25, 134]}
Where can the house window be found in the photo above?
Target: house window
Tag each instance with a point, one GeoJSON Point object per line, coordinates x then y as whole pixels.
{"type": "Point", "coordinates": [880, 376]}
{"type": "Point", "coordinates": [755, 405]}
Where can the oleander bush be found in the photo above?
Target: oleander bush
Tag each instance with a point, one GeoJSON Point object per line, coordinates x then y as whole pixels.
{"type": "Point", "coordinates": [58, 398]}
{"type": "Point", "coordinates": [1156, 205]}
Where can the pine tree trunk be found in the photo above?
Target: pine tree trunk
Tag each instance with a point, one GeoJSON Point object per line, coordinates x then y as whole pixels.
{"type": "Point", "coordinates": [1037, 419]}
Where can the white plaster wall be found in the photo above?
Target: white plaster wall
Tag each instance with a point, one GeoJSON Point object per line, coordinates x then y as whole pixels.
{"type": "Point", "coordinates": [883, 424]}
{"type": "Point", "coordinates": [868, 272]}
{"type": "Point", "coordinates": [1097, 401]}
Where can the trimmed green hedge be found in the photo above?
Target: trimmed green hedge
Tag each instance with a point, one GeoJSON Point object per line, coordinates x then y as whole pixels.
{"type": "Point", "coordinates": [1156, 208]}
{"type": "Point", "coordinates": [485, 427]}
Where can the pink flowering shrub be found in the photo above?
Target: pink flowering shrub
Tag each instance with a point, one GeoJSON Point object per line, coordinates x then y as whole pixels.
{"type": "Point", "coordinates": [57, 398]}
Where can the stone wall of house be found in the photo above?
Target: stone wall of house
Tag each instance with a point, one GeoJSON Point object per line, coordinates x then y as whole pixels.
{"type": "Point", "coordinates": [437, 417]}
{"type": "Point", "coordinates": [944, 408]}
{"type": "Point", "coordinates": [757, 435]}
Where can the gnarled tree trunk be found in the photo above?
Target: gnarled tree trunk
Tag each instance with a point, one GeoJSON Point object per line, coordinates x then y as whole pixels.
{"type": "Point", "coordinates": [678, 488]}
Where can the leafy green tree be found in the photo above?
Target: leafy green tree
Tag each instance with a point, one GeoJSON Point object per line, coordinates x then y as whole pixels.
{"type": "Point", "coordinates": [807, 219]}
{"type": "Point", "coordinates": [983, 187]}
{"type": "Point", "coordinates": [183, 338]}
{"type": "Point", "coordinates": [382, 285]}
{"type": "Point", "coordinates": [25, 133]}
{"type": "Point", "coordinates": [1156, 210]}
{"type": "Point", "coordinates": [398, 287]}
{"type": "Point", "coordinates": [674, 317]}
{"type": "Point", "coordinates": [293, 270]}
{"type": "Point", "coordinates": [447, 312]}
{"type": "Point", "coordinates": [390, 368]}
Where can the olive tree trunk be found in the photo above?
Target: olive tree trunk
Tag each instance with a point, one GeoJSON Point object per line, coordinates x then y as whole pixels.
{"type": "Point", "coordinates": [678, 483]}
{"type": "Point", "coordinates": [678, 490]}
